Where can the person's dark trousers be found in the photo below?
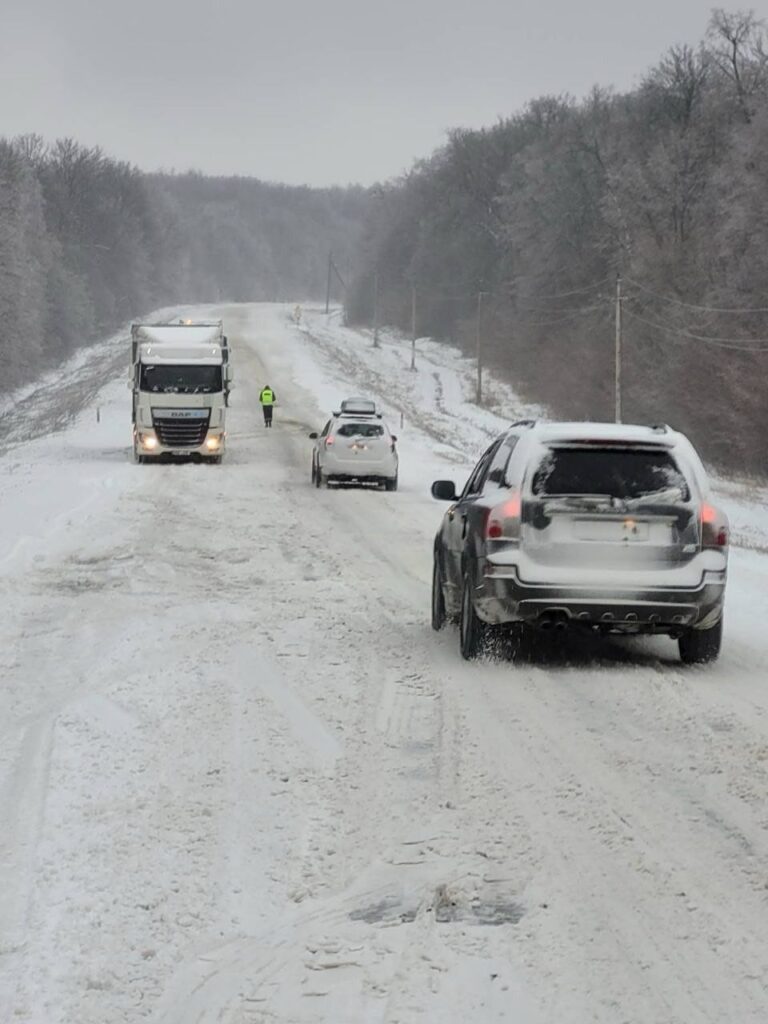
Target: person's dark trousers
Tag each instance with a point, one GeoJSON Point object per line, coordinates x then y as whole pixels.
{"type": "Point", "coordinates": [267, 415]}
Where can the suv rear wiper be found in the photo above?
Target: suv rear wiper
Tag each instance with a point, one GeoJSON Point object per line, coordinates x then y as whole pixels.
{"type": "Point", "coordinates": [579, 500]}
{"type": "Point", "coordinates": [666, 494]}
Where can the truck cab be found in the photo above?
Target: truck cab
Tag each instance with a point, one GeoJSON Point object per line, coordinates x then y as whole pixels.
{"type": "Point", "coordinates": [180, 379]}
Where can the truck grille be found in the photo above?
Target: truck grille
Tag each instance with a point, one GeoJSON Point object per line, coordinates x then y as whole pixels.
{"type": "Point", "coordinates": [181, 433]}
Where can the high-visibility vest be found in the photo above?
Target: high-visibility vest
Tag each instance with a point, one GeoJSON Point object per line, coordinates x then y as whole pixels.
{"type": "Point", "coordinates": [267, 396]}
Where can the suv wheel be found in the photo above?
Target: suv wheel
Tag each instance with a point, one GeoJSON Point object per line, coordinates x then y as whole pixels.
{"type": "Point", "coordinates": [390, 483]}
{"type": "Point", "coordinates": [472, 630]}
{"type": "Point", "coordinates": [438, 598]}
{"type": "Point", "coordinates": [700, 646]}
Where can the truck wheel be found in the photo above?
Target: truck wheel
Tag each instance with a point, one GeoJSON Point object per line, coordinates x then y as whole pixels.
{"type": "Point", "coordinates": [701, 646]}
{"type": "Point", "coordinates": [473, 632]}
{"type": "Point", "coordinates": [438, 597]}
{"type": "Point", "coordinates": [139, 459]}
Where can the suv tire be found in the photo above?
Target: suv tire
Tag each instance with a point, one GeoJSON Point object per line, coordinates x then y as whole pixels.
{"type": "Point", "coordinates": [439, 616]}
{"type": "Point", "coordinates": [701, 646]}
{"type": "Point", "coordinates": [472, 630]}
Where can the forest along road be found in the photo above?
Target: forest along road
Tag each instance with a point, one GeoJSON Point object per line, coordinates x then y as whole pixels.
{"type": "Point", "coordinates": [245, 782]}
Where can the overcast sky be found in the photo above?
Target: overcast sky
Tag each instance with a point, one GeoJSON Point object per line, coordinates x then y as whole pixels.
{"type": "Point", "coordinates": [318, 91]}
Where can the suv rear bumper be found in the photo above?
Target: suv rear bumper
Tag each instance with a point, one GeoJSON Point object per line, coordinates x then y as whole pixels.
{"type": "Point", "coordinates": [503, 597]}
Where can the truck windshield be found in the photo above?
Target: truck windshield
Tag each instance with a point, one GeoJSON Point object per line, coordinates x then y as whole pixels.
{"type": "Point", "coordinates": [184, 380]}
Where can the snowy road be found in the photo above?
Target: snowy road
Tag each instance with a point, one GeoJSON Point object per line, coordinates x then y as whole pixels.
{"type": "Point", "coordinates": [242, 781]}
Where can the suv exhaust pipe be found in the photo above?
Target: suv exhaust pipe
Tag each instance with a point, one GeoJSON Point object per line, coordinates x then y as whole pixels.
{"type": "Point", "coordinates": [558, 621]}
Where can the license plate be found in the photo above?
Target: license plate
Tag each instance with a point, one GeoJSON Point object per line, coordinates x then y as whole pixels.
{"type": "Point", "coordinates": [622, 531]}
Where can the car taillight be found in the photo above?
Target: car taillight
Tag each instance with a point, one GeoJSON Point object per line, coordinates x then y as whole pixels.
{"type": "Point", "coordinates": [714, 528]}
{"type": "Point", "coordinates": [329, 441]}
{"type": "Point", "coordinates": [504, 520]}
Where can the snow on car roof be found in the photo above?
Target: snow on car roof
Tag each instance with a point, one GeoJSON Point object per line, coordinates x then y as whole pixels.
{"type": "Point", "coordinates": [607, 432]}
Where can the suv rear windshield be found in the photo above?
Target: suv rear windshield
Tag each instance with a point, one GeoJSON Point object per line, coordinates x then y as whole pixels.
{"type": "Point", "coordinates": [360, 430]}
{"type": "Point", "coordinates": [619, 473]}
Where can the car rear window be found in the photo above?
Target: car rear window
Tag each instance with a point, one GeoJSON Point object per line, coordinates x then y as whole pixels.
{"type": "Point", "coordinates": [620, 473]}
{"type": "Point", "coordinates": [360, 430]}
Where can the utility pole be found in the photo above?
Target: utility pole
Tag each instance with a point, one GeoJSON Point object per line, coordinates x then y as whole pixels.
{"type": "Point", "coordinates": [479, 348]}
{"type": "Point", "coordinates": [376, 309]}
{"type": "Point", "coordinates": [413, 326]}
{"type": "Point", "coordinates": [328, 288]}
{"type": "Point", "coordinates": [617, 366]}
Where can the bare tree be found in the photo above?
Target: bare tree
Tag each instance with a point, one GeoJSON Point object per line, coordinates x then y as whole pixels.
{"type": "Point", "coordinates": [737, 46]}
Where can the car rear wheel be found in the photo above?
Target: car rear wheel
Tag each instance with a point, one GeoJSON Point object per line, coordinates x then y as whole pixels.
{"type": "Point", "coordinates": [472, 630]}
{"type": "Point", "coordinates": [700, 646]}
{"type": "Point", "coordinates": [439, 616]}
{"type": "Point", "coordinates": [391, 483]}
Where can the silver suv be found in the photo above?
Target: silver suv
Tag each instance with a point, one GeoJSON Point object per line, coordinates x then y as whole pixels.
{"type": "Point", "coordinates": [594, 525]}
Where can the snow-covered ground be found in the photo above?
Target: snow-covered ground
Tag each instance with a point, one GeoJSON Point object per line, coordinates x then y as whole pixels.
{"type": "Point", "coordinates": [242, 781]}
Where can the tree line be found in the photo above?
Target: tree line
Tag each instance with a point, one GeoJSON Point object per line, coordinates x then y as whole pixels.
{"type": "Point", "coordinates": [88, 242]}
{"type": "Point", "coordinates": [519, 232]}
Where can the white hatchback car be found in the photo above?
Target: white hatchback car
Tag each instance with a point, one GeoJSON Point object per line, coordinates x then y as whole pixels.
{"type": "Point", "coordinates": [355, 447]}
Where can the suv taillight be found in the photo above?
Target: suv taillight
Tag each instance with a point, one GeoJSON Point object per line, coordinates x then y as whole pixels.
{"type": "Point", "coordinates": [714, 528]}
{"type": "Point", "coordinates": [504, 520]}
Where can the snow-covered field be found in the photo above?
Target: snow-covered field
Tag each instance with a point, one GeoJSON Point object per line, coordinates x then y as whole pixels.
{"type": "Point", "coordinates": [241, 781]}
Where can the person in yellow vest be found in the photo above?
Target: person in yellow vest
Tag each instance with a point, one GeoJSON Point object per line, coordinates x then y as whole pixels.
{"type": "Point", "coordinates": [267, 399]}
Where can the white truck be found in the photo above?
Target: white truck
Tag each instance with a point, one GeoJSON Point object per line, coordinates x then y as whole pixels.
{"type": "Point", "coordinates": [180, 377]}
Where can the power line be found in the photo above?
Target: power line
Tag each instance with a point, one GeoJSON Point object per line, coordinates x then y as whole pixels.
{"type": "Point", "coordinates": [735, 344]}
{"type": "Point", "coordinates": [572, 315]}
{"type": "Point", "coordinates": [577, 291]}
{"type": "Point", "coordinates": [692, 305]}
{"type": "Point", "coordinates": [471, 294]}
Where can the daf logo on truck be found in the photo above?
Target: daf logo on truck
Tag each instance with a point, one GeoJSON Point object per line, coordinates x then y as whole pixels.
{"type": "Point", "coordinates": [180, 378]}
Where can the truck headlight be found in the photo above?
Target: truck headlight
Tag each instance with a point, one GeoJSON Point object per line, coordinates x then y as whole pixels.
{"type": "Point", "coordinates": [148, 441]}
{"type": "Point", "coordinates": [213, 443]}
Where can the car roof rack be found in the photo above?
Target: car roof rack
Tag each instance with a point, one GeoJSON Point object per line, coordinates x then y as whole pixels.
{"type": "Point", "coordinates": [659, 428]}
{"type": "Point", "coordinates": [350, 415]}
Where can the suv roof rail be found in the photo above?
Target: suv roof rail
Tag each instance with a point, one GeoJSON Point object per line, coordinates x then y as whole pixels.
{"type": "Point", "coordinates": [659, 428]}
{"type": "Point", "coordinates": [523, 423]}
